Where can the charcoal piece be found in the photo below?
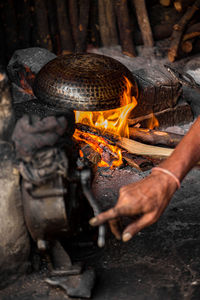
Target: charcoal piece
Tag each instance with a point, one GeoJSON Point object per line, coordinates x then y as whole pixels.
{"type": "Point", "coordinates": [22, 68]}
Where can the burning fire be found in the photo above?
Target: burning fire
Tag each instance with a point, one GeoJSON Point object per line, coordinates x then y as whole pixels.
{"type": "Point", "coordinates": [27, 77]}
{"type": "Point", "coordinates": [113, 121]}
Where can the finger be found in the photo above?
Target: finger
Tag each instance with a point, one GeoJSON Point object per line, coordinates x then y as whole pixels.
{"type": "Point", "coordinates": [115, 228]}
{"type": "Point", "coordinates": [103, 217]}
{"type": "Point", "coordinates": [136, 226]}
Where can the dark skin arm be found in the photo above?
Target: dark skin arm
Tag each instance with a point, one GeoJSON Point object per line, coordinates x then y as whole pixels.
{"type": "Point", "coordinates": [149, 197]}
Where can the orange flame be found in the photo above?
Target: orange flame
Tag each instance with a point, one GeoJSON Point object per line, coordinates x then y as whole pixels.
{"type": "Point", "coordinates": [113, 121]}
{"type": "Point", "coordinates": [26, 78]}
{"type": "Point", "coordinates": [152, 122]}
{"type": "Point", "coordinates": [99, 144]}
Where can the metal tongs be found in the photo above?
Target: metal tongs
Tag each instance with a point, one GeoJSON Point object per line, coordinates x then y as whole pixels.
{"type": "Point", "coordinates": [85, 181]}
{"type": "Point", "coordinates": [184, 78]}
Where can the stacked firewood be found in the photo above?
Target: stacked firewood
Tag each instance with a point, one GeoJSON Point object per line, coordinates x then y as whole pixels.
{"type": "Point", "coordinates": [65, 26]}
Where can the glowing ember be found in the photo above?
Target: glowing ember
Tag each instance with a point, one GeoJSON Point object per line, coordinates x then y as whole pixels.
{"type": "Point", "coordinates": [99, 144]}
{"type": "Point", "coordinates": [25, 79]}
{"type": "Point", "coordinates": [113, 121]}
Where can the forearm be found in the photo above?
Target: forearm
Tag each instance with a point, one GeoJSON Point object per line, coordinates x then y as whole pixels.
{"type": "Point", "coordinates": [187, 153]}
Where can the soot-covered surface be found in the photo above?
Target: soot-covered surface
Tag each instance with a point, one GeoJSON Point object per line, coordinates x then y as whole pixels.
{"type": "Point", "coordinates": [161, 262]}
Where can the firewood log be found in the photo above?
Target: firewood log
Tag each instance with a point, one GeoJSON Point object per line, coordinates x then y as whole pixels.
{"type": "Point", "coordinates": [181, 5]}
{"type": "Point", "coordinates": [143, 21]}
{"type": "Point", "coordinates": [155, 137]}
{"type": "Point", "coordinates": [94, 25]}
{"type": "Point", "coordinates": [84, 7]}
{"type": "Point", "coordinates": [64, 28]}
{"type": "Point", "coordinates": [53, 26]}
{"type": "Point", "coordinates": [125, 30]}
{"type": "Point", "coordinates": [143, 149]}
{"type": "Point", "coordinates": [165, 2]}
{"type": "Point", "coordinates": [73, 16]}
{"type": "Point", "coordinates": [44, 38]}
{"type": "Point", "coordinates": [179, 29]}
{"type": "Point", "coordinates": [107, 23]}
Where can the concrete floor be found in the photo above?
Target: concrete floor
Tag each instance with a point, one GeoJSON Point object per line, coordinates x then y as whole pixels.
{"type": "Point", "coordinates": [161, 262]}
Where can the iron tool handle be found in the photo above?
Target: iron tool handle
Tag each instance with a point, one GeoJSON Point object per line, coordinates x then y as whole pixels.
{"type": "Point", "coordinates": [85, 181]}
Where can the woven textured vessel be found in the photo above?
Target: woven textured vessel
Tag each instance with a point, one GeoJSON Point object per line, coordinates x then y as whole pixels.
{"type": "Point", "coordinates": [84, 82]}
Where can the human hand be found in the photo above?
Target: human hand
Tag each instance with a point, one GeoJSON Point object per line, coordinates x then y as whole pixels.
{"type": "Point", "coordinates": [145, 200]}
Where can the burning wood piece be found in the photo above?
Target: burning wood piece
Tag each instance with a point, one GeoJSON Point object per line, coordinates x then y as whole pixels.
{"type": "Point", "coordinates": [149, 136]}
{"type": "Point", "coordinates": [110, 138]}
{"type": "Point", "coordinates": [140, 163]}
{"type": "Point", "coordinates": [110, 154]}
{"type": "Point", "coordinates": [143, 149]}
{"type": "Point", "coordinates": [143, 22]}
{"type": "Point", "coordinates": [125, 31]}
{"type": "Point", "coordinates": [155, 137]}
{"type": "Point", "coordinates": [89, 153]}
{"type": "Point", "coordinates": [179, 29]}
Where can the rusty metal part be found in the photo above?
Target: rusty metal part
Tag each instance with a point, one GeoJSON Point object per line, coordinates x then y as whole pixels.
{"type": "Point", "coordinates": [84, 82]}
{"type": "Point", "coordinates": [46, 216]}
{"type": "Point", "coordinates": [75, 286]}
{"type": "Point", "coordinates": [85, 180]}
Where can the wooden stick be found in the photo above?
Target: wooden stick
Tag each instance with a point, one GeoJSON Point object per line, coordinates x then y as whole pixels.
{"type": "Point", "coordinates": [179, 29]}
{"type": "Point", "coordinates": [192, 32]}
{"type": "Point", "coordinates": [143, 21]}
{"type": "Point", "coordinates": [107, 23]}
{"type": "Point", "coordinates": [125, 31]}
{"type": "Point", "coordinates": [143, 149]}
{"type": "Point", "coordinates": [155, 137]}
{"type": "Point", "coordinates": [187, 46]}
{"type": "Point", "coordinates": [138, 162]}
{"type": "Point", "coordinates": [64, 28]}
{"type": "Point", "coordinates": [84, 7]}
{"type": "Point", "coordinates": [111, 21]}
{"type": "Point", "coordinates": [181, 5]}
{"type": "Point", "coordinates": [53, 25]}
{"type": "Point", "coordinates": [165, 2]}
{"type": "Point", "coordinates": [73, 16]}
{"type": "Point", "coordinates": [94, 25]}
{"type": "Point", "coordinates": [42, 25]}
